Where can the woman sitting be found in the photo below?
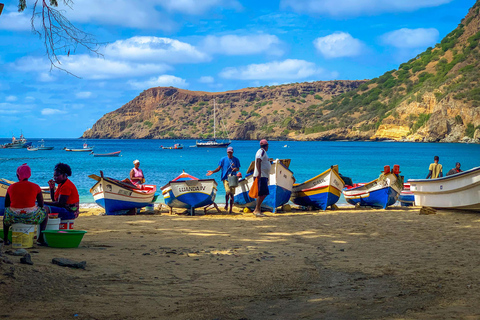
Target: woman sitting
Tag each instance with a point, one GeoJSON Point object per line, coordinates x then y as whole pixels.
{"type": "Point", "coordinates": [20, 204]}
{"type": "Point", "coordinates": [136, 174]}
{"type": "Point", "coordinates": [66, 199]}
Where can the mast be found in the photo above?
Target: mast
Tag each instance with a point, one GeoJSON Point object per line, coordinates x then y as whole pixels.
{"type": "Point", "coordinates": [214, 119]}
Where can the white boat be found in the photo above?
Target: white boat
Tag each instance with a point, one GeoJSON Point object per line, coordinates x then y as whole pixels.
{"type": "Point", "coordinates": [212, 143]}
{"type": "Point", "coordinates": [86, 148]}
{"type": "Point", "coordinates": [457, 191]}
{"type": "Point", "coordinates": [42, 146]}
{"type": "Point", "coordinates": [117, 197]}
{"type": "Point", "coordinates": [280, 184]}
{"type": "Point", "coordinates": [32, 149]}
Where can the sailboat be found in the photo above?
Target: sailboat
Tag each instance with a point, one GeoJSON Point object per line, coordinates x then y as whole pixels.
{"type": "Point", "coordinates": [213, 143]}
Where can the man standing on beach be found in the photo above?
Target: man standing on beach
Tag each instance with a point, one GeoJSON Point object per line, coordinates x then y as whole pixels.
{"type": "Point", "coordinates": [262, 171]}
{"type": "Point", "coordinates": [228, 165]}
{"type": "Point", "coordinates": [435, 169]}
{"type": "Point", "coordinates": [455, 170]}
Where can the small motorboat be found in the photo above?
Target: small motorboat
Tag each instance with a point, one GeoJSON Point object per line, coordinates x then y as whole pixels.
{"type": "Point", "coordinates": [42, 146]}
{"type": "Point", "coordinates": [111, 154]}
{"type": "Point", "coordinates": [280, 184]}
{"type": "Point", "coordinates": [117, 197]}
{"type": "Point", "coordinates": [379, 193]}
{"type": "Point", "coordinates": [32, 149]}
{"type": "Point", "coordinates": [175, 146]}
{"type": "Point", "coordinates": [319, 192]}
{"type": "Point", "coordinates": [189, 192]}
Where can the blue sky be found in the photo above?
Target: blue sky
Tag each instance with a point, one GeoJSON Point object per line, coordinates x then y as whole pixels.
{"type": "Point", "coordinates": [203, 45]}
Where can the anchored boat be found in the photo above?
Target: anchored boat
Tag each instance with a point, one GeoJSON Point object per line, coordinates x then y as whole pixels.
{"type": "Point", "coordinates": [457, 191]}
{"type": "Point", "coordinates": [189, 192]}
{"type": "Point", "coordinates": [111, 154]}
{"type": "Point", "coordinates": [117, 197]}
{"type": "Point", "coordinates": [280, 184]}
{"type": "Point", "coordinates": [319, 192]}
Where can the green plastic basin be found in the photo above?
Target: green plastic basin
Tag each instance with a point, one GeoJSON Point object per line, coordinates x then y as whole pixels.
{"type": "Point", "coordinates": [63, 238]}
{"type": "Point", "coordinates": [9, 234]}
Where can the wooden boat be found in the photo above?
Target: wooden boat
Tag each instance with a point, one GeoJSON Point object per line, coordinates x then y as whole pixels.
{"type": "Point", "coordinates": [379, 193]}
{"type": "Point", "coordinates": [175, 146]}
{"type": "Point", "coordinates": [280, 184]}
{"type": "Point", "coordinates": [458, 191]}
{"type": "Point", "coordinates": [117, 197]}
{"type": "Point", "coordinates": [189, 192]}
{"type": "Point", "coordinates": [212, 143]}
{"type": "Point", "coordinates": [111, 154]}
{"type": "Point", "coordinates": [319, 192]}
{"type": "Point", "coordinates": [406, 197]}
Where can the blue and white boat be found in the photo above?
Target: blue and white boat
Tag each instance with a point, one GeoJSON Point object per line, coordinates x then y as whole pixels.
{"type": "Point", "coordinates": [4, 184]}
{"type": "Point", "coordinates": [379, 193]}
{"type": "Point", "coordinates": [319, 192]}
{"type": "Point", "coordinates": [189, 192]}
{"type": "Point", "coordinates": [118, 197]}
{"type": "Point", "coordinates": [280, 184]}
{"type": "Point", "coordinates": [406, 197]}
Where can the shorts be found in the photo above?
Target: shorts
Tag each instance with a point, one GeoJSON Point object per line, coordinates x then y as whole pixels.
{"type": "Point", "coordinates": [263, 187]}
{"type": "Point", "coordinates": [227, 187]}
{"type": "Point", "coordinates": [63, 213]}
{"type": "Point", "coordinates": [27, 216]}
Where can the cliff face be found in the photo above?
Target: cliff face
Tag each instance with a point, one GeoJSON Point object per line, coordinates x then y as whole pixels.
{"type": "Point", "coordinates": [434, 97]}
{"type": "Point", "coordinates": [272, 112]}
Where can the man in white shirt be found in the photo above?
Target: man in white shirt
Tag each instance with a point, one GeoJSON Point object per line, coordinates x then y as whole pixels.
{"type": "Point", "coordinates": [262, 171]}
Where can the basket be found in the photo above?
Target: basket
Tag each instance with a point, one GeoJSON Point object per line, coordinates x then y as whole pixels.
{"type": "Point", "coordinates": [63, 238]}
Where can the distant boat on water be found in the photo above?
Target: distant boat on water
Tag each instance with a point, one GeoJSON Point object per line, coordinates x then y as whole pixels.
{"type": "Point", "coordinates": [17, 143]}
{"type": "Point", "coordinates": [213, 143]}
{"type": "Point", "coordinates": [111, 154]}
{"type": "Point", "coordinates": [42, 146]}
{"type": "Point", "coordinates": [176, 146]}
{"type": "Point", "coordinates": [86, 148]}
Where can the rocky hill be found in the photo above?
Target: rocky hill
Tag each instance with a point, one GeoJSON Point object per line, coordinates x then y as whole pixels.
{"type": "Point", "coordinates": [433, 97]}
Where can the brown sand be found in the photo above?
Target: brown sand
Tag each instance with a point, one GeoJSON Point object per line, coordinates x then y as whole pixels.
{"type": "Point", "coordinates": [343, 264]}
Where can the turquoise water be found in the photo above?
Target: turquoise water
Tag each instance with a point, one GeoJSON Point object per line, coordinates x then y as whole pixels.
{"type": "Point", "coordinates": [362, 161]}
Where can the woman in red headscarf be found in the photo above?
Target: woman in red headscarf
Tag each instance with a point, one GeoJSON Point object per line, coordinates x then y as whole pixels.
{"type": "Point", "coordinates": [20, 206]}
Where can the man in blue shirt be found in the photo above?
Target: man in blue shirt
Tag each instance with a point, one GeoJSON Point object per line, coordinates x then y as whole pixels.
{"type": "Point", "coordinates": [228, 165]}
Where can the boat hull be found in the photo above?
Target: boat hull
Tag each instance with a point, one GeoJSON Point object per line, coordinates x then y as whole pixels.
{"type": "Point", "coordinates": [79, 150]}
{"type": "Point", "coordinates": [190, 194]}
{"type": "Point", "coordinates": [319, 192]}
{"type": "Point", "coordinates": [379, 193]}
{"type": "Point", "coordinates": [111, 154]}
{"type": "Point", "coordinates": [116, 199]}
{"type": "Point", "coordinates": [459, 191]}
{"type": "Point", "coordinates": [3, 192]}
{"type": "Point", "coordinates": [280, 184]}
{"type": "Point", "coordinates": [406, 199]}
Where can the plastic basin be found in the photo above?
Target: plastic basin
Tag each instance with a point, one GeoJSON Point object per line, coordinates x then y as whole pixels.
{"type": "Point", "coordinates": [9, 234]}
{"type": "Point", "coordinates": [63, 238]}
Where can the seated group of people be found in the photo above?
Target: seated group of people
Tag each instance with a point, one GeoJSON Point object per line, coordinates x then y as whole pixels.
{"type": "Point", "coordinates": [24, 200]}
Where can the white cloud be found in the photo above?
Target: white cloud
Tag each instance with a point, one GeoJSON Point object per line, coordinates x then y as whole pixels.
{"type": "Point", "coordinates": [161, 81]}
{"type": "Point", "coordinates": [83, 95]}
{"type": "Point", "coordinates": [338, 44]}
{"type": "Point", "coordinates": [290, 69]}
{"type": "Point", "coordinates": [155, 49]}
{"type": "Point", "coordinates": [29, 99]}
{"type": "Point", "coordinates": [50, 112]}
{"type": "Point", "coordinates": [243, 45]}
{"type": "Point", "coordinates": [196, 7]}
{"type": "Point", "coordinates": [15, 21]}
{"type": "Point", "coordinates": [11, 98]}
{"type": "Point", "coordinates": [206, 79]}
{"type": "Point", "coordinates": [345, 8]}
{"type": "Point", "coordinates": [46, 76]}
{"type": "Point", "coordinates": [411, 38]}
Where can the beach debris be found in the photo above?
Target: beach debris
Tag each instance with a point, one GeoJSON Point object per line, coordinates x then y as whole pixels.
{"type": "Point", "coordinates": [286, 208]}
{"type": "Point", "coordinates": [18, 252]}
{"type": "Point", "coordinates": [247, 210]}
{"type": "Point", "coordinates": [26, 259]}
{"type": "Point", "coordinates": [427, 210]}
{"type": "Point", "coordinates": [63, 262]}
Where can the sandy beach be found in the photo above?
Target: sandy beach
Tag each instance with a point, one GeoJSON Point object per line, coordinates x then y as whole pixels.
{"type": "Point", "coordinates": [342, 264]}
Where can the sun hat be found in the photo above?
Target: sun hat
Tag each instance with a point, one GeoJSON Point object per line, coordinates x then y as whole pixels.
{"type": "Point", "coordinates": [24, 172]}
{"type": "Point", "coordinates": [136, 161]}
{"type": "Point", "coordinates": [263, 142]}
{"type": "Point", "coordinates": [230, 149]}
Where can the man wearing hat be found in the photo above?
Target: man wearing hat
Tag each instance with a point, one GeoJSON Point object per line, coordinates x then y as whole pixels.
{"type": "Point", "coordinates": [262, 171]}
{"type": "Point", "coordinates": [228, 165]}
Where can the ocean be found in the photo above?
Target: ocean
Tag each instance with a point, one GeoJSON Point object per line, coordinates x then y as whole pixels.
{"type": "Point", "coordinates": [361, 161]}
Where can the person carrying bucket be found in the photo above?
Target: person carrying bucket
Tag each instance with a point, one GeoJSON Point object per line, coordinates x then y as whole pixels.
{"type": "Point", "coordinates": [66, 199]}
{"type": "Point", "coordinates": [229, 165]}
{"type": "Point", "coordinates": [20, 206]}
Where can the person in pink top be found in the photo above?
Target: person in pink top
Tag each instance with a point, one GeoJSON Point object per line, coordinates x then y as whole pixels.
{"type": "Point", "coordinates": [136, 174]}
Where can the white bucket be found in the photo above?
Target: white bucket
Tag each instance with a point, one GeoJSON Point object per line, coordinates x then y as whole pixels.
{"type": "Point", "coordinates": [22, 235]}
{"type": "Point", "coordinates": [66, 225]}
{"type": "Point", "coordinates": [52, 224]}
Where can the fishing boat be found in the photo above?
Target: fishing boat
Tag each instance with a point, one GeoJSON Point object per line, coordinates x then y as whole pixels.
{"type": "Point", "coordinates": [213, 143]}
{"type": "Point", "coordinates": [280, 184]}
{"type": "Point", "coordinates": [379, 193]}
{"type": "Point", "coordinates": [175, 146]}
{"type": "Point", "coordinates": [117, 197]}
{"type": "Point", "coordinates": [111, 154]}
{"type": "Point", "coordinates": [406, 197]}
{"type": "Point", "coordinates": [189, 192]}
{"type": "Point", "coordinates": [17, 143]}
{"type": "Point", "coordinates": [42, 146]}
{"type": "Point", "coordinates": [319, 192]}
{"type": "Point", "coordinates": [458, 191]}
{"type": "Point", "coordinates": [86, 148]}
